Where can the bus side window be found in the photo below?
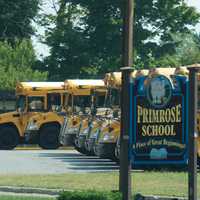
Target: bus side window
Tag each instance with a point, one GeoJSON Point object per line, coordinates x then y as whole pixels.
{"type": "Point", "coordinates": [53, 101]}
{"type": "Point", "coordinates": [69, 103]}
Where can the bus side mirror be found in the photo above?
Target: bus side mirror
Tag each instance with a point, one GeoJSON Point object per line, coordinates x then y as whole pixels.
{"type": "Point", "coordinates": [19, 110]}
{"type": "Point", "coordinates": [57, 108]}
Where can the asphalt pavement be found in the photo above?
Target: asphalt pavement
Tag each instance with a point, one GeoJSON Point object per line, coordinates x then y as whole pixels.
{"type": "Point", "coordinates": [52, 162]}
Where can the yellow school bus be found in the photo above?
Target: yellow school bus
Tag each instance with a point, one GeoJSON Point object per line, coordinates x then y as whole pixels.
{"type": "Point", "coordinates": [78, 102]}
{"type": "Point", "coordinates": [32, 98]}
{"type": "Point", "coordinates": [98, 110]}
{"type": "Point", "coordinates": [44, 128]}
{"type": "Point", "coordinates": [104, 119]}
{"type": "Point", "coordinates": [105, 141]}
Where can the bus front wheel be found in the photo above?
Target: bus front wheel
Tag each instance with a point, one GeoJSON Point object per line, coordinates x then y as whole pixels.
{"type": "Point", "coordinates": [9, 138]}
{"type": "Point", "coordinates": [49, 137]}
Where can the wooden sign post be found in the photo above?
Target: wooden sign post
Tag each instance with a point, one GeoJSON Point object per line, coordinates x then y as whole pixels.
{"type": "Point", "coordinates": [192, 162]}
{"type": "Point", "coordinates": [127, 62]}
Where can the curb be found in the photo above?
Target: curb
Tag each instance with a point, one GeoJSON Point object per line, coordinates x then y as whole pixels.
{"type": "Point", "coordinates": [27, 190]}
{"type": "Point", "coordinates": [38, 148]}
{"type": "Point", "coordinates": [148, 197]}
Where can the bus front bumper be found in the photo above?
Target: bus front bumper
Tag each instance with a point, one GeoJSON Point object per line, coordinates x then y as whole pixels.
{"type": "Point", "coordinates": [106, 150]}
{"type": "Point", "coordinates": [68, 139]}
{"type": "Point", "coordinates": [32, 136]}
{"type": "Point", "coordinates": [81, 141]}
{"type": "Point", "coordinates": [90, 144]}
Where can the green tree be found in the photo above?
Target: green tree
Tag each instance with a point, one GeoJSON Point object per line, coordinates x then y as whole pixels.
{"type": "Point", "coordinates": [16, 17]}
{"type": "Point", "coordinates": [67, 57]}
{"type": "Point", "coordinates": [16, 64]}
{"type": "Point", "coordinates": [87, 36]}
{"type": "Point", "coordinates": [186, 52]}
{"type": "Point", "coordinates": [69, 46]}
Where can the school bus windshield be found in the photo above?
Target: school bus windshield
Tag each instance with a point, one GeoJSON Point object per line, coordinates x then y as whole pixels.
{"type": "Point", "coordinates": [113, 98]}
{"type": "Point", "coordinates": [98, 99]}
{"type": "Point", "coordinates": [36, 104]}
{"type": "Point", "coordinates": [78, 104]}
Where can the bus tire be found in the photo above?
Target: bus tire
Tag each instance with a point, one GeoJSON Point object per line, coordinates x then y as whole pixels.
{"type": "Point", "coordinates": [49, 137]}
{"type": "Point", "coordinates": [95, 150]}
{"type": "Point", "coordinates": [80, 150]}
{"type": "Point", "coordinates": [117, 151]}
{"type": "Point", "coordinates": [9, 138]}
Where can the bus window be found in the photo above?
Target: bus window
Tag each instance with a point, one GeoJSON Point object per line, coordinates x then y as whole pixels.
{"type": "Point", "coordinates": [65, 99]}
{"type": "Point", "coordinates": [82, 103]}
{"type": "Point", "coordinates": [35, 104]}
{"type": "Point", "coordinates": [100, 101]}
{"type": "Point", "coordinates": [68, 102]}
{"type": "Point", "coordinates": [113, 98]}
{"type": "Point", "coordinates": [53, 101]}
{"type": "Point", "coordinates": [21, 103]}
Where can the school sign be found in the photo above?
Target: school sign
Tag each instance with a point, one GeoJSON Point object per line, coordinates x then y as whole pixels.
{"type": "Point", "coordinates": [159, 119]}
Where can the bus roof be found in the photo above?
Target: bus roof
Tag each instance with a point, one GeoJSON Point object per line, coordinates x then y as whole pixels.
{"type": "Point", "coordinates": [83, 86]}
{"type": "Point", "coordinates": [140, 72]}
{"type": "Point", "coordinates": [164, 71]}
{"type": "Point", "coordinates": [28, 87]}
{"type": "Point", "coordinates": [182, 71]}
{"type": "Point", "coordinates": [113, 79]}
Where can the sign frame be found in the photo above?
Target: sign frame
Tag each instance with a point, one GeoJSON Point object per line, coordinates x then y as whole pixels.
{"type": "Point", "coordinates": [134, 85]}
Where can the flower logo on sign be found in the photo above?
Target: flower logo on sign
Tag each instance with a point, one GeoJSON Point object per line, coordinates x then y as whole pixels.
{"type": "Point", "coordinates": [159, 91]}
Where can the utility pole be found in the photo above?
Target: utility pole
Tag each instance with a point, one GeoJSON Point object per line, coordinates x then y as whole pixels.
{"type": "Point", "coordinates": [127, 61]}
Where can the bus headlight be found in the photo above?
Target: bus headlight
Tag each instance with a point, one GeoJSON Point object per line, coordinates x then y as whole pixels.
{"type": "Point", "coordinates": [95, 134]}
{"type": "Point", "coordinates": [108, 137]}
{"type": "Point", "coordinates": [85, 132]}
{"type": "Point", "coordinates": [72, 130]}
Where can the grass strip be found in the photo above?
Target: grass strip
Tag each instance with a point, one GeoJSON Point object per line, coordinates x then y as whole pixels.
{"type": "Point", "coordinates": [145, 183]}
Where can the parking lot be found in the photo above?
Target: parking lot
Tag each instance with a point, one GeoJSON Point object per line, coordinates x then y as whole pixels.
{"type": "Point", "coordinates": [51, 162]}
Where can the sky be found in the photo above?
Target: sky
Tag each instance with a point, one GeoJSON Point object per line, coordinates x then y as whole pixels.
{"type": "Point", "coordinates": [43, 50]}
{"type": "Point", "coordinates": [195, 3]}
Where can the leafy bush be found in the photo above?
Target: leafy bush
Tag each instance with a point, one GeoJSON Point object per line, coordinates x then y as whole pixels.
{"type": "Point", "coordinates": [89, 195]}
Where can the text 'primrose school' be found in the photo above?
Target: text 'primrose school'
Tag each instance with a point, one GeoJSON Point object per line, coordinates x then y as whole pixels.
{"type": "Point", "coordinates": [159, 122]}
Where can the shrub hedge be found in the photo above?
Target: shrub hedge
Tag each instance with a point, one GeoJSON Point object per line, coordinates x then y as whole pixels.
{"type": "Point", "coordinates": [89, 195]}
